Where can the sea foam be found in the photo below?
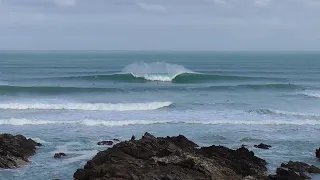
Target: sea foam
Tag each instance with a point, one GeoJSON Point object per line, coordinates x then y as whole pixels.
{"type": "Point", "coordinates": [88, 106]}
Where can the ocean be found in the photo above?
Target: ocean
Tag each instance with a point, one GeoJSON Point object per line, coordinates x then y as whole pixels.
{"type": "Point", "coordinates": [70, 100]}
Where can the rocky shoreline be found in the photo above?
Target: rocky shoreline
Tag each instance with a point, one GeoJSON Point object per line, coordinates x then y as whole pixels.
{"type": "Point", "coordinates": [162, 158]}
{"type": "Point", "coordinates": [177, 158]}
{"type": "Point", "coordinates": [15, 150]}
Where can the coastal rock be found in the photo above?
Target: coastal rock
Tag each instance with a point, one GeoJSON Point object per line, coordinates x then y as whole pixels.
{"type": "Point", "coordinates": [15, 150]}
{"type": "Point", "coordinates": [318, 153]}
{"type": "Point", "coordinates": [287, 174]}
{"type": "Point", "coordinates": [171, 158]}
{"type": "Point", "coordinates": [294, 171]}
{"type": "Point", "coordinates": [301, 167]}
{"type": "Point", "coordinates": [108, 143]}
{"type": "Point", "coordinates": [59, 155]}
{"type": "Point", "coordinates": [263, 146]}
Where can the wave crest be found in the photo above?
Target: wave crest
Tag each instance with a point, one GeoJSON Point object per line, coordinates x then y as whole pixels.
{"type": "Point", "coordinates": [88, 106]}
{"type": "Point", "coordinates": [156, 71]}
{"type": "Point", "coordinates": [286, 113]}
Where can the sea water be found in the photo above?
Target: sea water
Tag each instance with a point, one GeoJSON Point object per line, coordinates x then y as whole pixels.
{"type": "Point", "coordinates": [68, 101]}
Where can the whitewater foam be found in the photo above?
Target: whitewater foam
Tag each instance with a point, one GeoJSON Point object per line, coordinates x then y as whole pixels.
{"type": "Point", "coordinates": [88, 106]}
{"type": "Point", "coordinates": [156, 71]}
{"type": "Point", "coordinates": [311, 94]}
{"type": "Point", "coordinates": [89, 122]}
{"type": "Point", "coordinates": [286, 113]}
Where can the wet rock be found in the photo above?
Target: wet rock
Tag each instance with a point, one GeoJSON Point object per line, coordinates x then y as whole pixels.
{"type": "Point", "coordinates": [59, 155]}
{"type": "Point", "coordinates": [294, 171]}
{"type": "Point", "coordinates": [108, 143]}
{"type": "Point", "coordinates": [15, 150]}
{"type": "Point", "coordinates": [133, 138]}
{"type": "Point", "coordinates": [263, 146]}
{"type": "Point", "coordinates": [287, 174]}
{"type": "Point", "coordinates": [171, 158]}
{"type": "Point", "coordinates": [301, 167]}
{"type": "Point", "coordinates": [318, 153]}
{"type": "Point", "coordinates": [116, 140]}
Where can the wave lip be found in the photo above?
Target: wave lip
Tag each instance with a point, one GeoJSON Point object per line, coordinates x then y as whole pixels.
{"type": "Point", "coordinates": [156, 71]}
{"type": "Point", "coordinates": [88, 106]}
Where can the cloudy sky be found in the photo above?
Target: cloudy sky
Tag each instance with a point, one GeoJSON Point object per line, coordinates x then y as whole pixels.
{"type": "Point", "coordinates": [160, 24]}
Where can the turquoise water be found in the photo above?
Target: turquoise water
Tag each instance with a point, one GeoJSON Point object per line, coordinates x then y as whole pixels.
{"type": "Point", "coordinates": [70, 100]}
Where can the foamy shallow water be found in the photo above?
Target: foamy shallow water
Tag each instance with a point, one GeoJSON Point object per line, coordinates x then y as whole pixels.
{"type": "Point", "coordinates": [79, 142]}
{"type": "Point", "coordinates": [70, 101]}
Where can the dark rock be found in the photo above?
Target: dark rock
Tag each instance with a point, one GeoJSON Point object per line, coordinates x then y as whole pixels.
{"type": "Point", "coordinates": [318, 153]}
{"type": "Point", "coordinates": [116, 140]}
{"type": "Point", "coordinates": [301, 167]}
{"type": "Point", "coordinates": [108, 143]}
{"type": "Point", "coordinates": [287, 174]}
{"type": "Point", "coordinates": [15, 150]}
{"type": "Point", "coordinates": [171, 158]}
{"type": "Point", "coordinates": [59, 155]}
{"type": "Point", "coordinates": [263, 146]}
{"type": "Point", "coordinates": [294, 171]}
{"type": "Point", "coordinates": [133, 138]}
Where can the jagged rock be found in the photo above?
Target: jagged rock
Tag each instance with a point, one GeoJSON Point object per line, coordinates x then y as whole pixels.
{"type": "Point", "coordinates": [287, 174]}
{"type": "Point", "coordinates": [263, 146]}
{"type": "Point", "coordinates": [171, 158]}
{"type": "Point", "coordinates": [59, 155]}
{"type": "Point", "coordinates": [116, 140]}
{"type": "Point", "coordinates": [301, 167]}
{"type": "Point", "coordinates": [15, 150]}
{"type": "Point", "coordinates": [108, 143]}
{"type": "Point", "coordinates": [294, 171]}
{"type": "Point", "coordinates": [318, 153]}
{"type": "Point", "coordinates": [133, 138]}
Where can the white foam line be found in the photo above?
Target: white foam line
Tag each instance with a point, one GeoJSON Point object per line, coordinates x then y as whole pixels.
{"type": "Point", "coordinates": [21, 122]}
{"type": "Point", "coordinates": [88, 106]}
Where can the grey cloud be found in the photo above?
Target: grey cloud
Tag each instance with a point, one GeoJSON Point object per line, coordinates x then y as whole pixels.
{"type": "Point", "coordinates": [160, 24]}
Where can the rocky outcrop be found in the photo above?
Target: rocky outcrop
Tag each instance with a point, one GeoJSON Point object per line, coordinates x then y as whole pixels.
{"type": "Point", "coordinates": [15, 150]}
{"type": "Point", "coordinates": [263, 146]}
{"type": "Point", "coordinates": [318, 153]}
{"type": "Point", "coordinates": [294, 171]}
{"type": "Point", "coordinates": [59, 155]}
{"type": "Point", "coordinates": [171, 158]}
{"type": "Point", "coordinates": [107, 143]}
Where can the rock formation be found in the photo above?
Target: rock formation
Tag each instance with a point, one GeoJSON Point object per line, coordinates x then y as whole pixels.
{"type": "Point", "coordinates": [15, 150]}
{"type": "Point", "coordinates": [172, 158]}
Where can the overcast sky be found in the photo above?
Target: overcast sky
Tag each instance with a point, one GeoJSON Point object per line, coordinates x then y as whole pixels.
{"type": "Point", "coordinates": [160, 24]}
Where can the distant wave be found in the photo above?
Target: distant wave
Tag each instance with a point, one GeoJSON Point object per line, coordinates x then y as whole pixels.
{"type": "Point", "coordinates": [286, 113]}
{"type": "Point", "coordinates": [87, 122]}
{"type": "Point", "coordinates": [67, 90]}
{"type": "Point", "coordinates": [311, 94]}
{"type": "Point", "coordinates": [53, 89]}
{"type": "Point", "coordinates": [163, 72]}
{"type": "Point", "coordinates": [183, 78]}
{"type": "Point", "coordinates": [87, 106]}
{"type": "Point", "coordinates": [286, 86]}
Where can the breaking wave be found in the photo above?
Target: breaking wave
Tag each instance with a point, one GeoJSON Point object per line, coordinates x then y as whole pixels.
{"type": "Point", "coordinates": [164, 72]}
{"type": "Point", "coordinates": [88, 106]}
{"type": "Point", "coordinates": [87, 122]}
{"type": "Point", "coordinates": [311, 94]}
{"type": "Point", "coordinates": [286, 113]}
